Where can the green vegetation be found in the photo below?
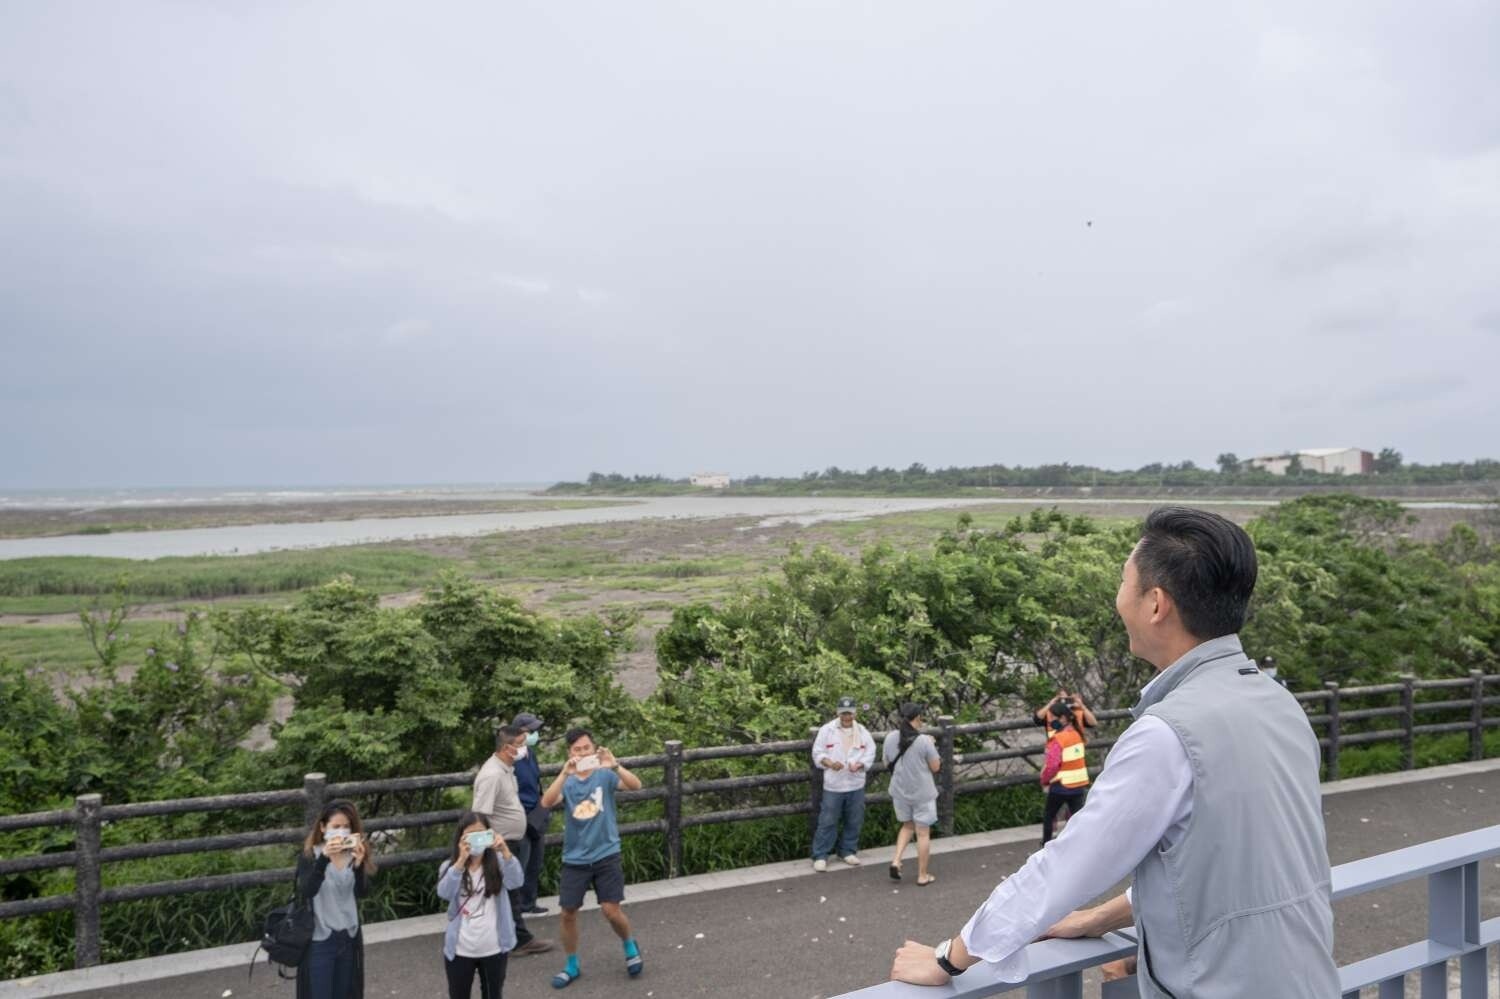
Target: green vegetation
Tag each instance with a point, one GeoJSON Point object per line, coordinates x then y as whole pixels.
{"type": "Point", "coordinates": [46, 585]}
{"type": "Point", "coordinates": [918, 480]}
{"type": "Point", "coordinates": [978, 623]}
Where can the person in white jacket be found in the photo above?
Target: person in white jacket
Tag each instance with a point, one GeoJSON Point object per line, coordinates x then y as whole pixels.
{"type": "Point", "coordinates": [844, 751]}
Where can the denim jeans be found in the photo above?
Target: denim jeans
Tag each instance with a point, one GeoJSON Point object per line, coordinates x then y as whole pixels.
{"type": "Point", "coordinates": [848, 806]}
{"type": "Point", "coordinates": [330, 966]}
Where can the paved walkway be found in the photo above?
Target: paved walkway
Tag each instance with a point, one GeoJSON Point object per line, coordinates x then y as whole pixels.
{"type": "Point", "coordinates": [782, 930]}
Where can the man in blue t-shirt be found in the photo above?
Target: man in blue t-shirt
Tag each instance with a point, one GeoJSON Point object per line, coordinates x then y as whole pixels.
{"type": "Point", "coordinates": [591, 845]}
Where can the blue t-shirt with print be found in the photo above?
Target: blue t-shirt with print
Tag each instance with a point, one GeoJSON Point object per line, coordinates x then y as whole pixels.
{"type": "Point", "coordinates": [589, 830]}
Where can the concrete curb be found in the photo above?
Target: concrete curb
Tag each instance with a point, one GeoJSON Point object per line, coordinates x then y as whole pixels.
{"type": "Point", "coordinates": [238, 955]}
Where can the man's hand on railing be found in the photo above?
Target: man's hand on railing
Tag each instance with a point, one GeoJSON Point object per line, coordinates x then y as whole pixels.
{"type": "Point", "coordinates": [916, 964]}
{"type": "Point", "coordinates": [1116, 970]}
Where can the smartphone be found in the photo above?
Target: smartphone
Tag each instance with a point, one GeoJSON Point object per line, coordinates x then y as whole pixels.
{"type": "Point", "coordinates": [587, 763]}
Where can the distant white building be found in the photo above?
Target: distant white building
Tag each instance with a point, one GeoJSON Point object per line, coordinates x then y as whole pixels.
{"type": "Point", "coordinates": [710, 480]}
{"type": "Point", "coordinates": [1324, 460]}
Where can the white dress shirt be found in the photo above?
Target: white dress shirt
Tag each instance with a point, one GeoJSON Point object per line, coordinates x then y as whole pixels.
{"type": "Point", "coordinates": [1142, 800]}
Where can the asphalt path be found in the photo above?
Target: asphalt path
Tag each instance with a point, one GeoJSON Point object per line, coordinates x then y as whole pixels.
{"type": "Point", "coordinates": [821, 935]}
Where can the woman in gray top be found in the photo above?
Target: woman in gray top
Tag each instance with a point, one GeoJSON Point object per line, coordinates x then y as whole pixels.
{"type": "Point", "coordinates": [912, 758]}
{"type": "Point", "coordinates": [333, 873]}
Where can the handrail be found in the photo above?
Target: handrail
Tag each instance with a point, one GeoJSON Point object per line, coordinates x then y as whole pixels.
{"type": "Point", "coordinates": [1454, 931]}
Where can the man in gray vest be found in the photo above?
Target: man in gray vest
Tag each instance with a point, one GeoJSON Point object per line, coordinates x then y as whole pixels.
{"type": "Point", "coordinates": [1210, 798]}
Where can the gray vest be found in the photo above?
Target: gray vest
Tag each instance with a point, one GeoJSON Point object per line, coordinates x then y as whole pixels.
{"type": "Point", "coordinates": [1240, 906]}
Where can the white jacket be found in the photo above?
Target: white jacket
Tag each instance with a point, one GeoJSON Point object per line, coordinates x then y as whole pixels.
{"type": "Point", "coordinates": [829, 745]}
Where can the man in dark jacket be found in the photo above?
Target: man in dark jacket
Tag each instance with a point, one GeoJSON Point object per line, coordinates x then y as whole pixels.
{"type": "Point", "coordinates": [529, 784]}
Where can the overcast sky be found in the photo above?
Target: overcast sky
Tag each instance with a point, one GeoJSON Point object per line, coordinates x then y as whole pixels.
{"type": "Point", "coordinates": [261, 243]}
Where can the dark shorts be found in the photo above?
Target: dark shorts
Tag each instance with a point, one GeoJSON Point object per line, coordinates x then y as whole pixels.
{"type": "Point", "coordinates": [606, 877]}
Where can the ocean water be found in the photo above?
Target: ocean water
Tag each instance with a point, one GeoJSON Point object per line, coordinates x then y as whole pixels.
{"type": "Point", "coordinates": [45, 499]}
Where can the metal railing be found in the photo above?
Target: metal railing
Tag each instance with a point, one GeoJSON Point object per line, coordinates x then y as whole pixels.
{"type": "Point", "coordinates": [1455, 932]}
{"type": "Point", "coordinates": [961, 773]}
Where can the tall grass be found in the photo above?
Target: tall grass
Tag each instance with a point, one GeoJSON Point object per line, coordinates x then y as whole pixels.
{"type": "Point", "coordinates": [211, 576]}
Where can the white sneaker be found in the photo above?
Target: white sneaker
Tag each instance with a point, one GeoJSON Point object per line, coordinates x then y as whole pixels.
{"type": "Point", "coordinates": [820, 865]}
{"type": "Point", "coordinates": [852, 860]}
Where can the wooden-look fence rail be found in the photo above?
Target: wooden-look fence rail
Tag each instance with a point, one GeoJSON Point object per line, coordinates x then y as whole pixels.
{"type": "Point", "coordinates": [89, 812]}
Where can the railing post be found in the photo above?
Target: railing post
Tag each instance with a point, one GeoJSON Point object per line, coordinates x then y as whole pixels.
{"type": "Point", "coordinates": [1453, 921]}
{"type": "Point", "coordinates": [1331, 759]}
{"type": "Point", "coordinates": [814, 790]}
{"type": "Point", "coordinates": [314, 791]}
{"type": "Point", "coordinates": [945, 775]}
{"type": "Point", "coordinates": [1069, 986]}
{"type": "Point", "coordinates": [86, 880]}
{"type": "Point", "coordinates": [672, 777]}
{"type": "Point", "coordinates": [1476, 716]}
{"type": "Point", "coordinates": [1408, 721]}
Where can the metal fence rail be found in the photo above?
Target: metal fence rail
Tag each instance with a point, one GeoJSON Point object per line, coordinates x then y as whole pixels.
{"type": "Point", "coordinates": [1455, 932]}
{"type": "Point", "coordinates": [962, 773]}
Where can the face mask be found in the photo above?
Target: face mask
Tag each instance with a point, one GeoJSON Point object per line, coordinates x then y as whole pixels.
{"type": "Point", "coordinates": [532, 738]}
{"type": "Point", "coordinates": [520, 752]}
{"type": "Point", "coordinates": [335, 832]}
{"type": "Point", "coordinates": [481, 840]}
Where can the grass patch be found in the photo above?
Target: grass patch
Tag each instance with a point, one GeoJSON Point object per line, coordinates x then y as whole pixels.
{"type": "Point", "coordinates": [32, 585]}
{"type": "Point", "coordinates": [66, 650]}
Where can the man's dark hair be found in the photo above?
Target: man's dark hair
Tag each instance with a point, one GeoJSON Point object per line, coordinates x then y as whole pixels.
{"type": "Point", "coordinates": [1204, 562]}
{"type": "Point", "coordinates": [507, 735]}
{"type": "Point", "coordinates": [574, 734]}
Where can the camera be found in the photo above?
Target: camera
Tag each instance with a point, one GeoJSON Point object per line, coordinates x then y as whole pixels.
{"type": "Point", "coordinates": [1065, 706]}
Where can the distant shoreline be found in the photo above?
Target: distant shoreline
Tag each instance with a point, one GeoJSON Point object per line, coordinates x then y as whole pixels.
{"type": "Point", "coordinates": [66, 521]}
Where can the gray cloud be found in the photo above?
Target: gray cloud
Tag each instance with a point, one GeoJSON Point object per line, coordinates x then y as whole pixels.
{"type": "Point", "coordinates": [281, 243]}
{"type": "Point", "coordinates": [1414, 390]}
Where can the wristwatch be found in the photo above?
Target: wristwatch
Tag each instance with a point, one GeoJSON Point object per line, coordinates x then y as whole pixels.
{"type": "Point", "coordinates": [941, 954]}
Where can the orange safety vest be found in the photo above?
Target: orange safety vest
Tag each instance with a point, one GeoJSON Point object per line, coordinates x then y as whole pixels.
{"type": "Point", "coordinates": [1074, 771]}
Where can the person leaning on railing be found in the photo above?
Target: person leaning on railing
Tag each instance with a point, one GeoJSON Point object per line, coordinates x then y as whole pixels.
{"type": "Point", "coordinates": [333, 873]}
{"type": "Point", "coordinates": [1210, 798]}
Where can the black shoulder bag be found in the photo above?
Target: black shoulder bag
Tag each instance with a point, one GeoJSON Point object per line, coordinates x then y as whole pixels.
{"type": "Point", "coordinates": [286, 934]}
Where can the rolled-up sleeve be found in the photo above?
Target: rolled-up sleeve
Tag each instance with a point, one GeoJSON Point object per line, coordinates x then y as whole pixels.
{"type": "Point", "coordinates": [1145, 789]}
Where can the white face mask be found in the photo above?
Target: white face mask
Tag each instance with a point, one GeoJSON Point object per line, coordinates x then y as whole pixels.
{"type": "Point", "coordinates": [335, 832]}
{"type": "Point", "coordinates": [521, 753]}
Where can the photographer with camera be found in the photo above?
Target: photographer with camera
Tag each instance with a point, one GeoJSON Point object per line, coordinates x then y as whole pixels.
{"type": "Point", "coordinates": [475, 881]}
{"type": "Point", "coordinates": [1069, 703]}
{"type": "Point", "coordinates": [1065, 775]}
{"type": "Point", "coordinates": [333, 874]}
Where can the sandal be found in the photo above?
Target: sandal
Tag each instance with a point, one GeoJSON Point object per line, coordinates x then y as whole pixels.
{"type": "Point", "coordinates": [562, 979]}
{"type": "Point", "coordinates": [924, 884]}
{"type": "Point", "coordinates": [895, 872]}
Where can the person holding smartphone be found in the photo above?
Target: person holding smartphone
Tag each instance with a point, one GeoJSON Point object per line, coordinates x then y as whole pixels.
{"type": "Point", "coordinates": [475, 880]}
{"type": "Point", "coordinates": [591, 846]}
{"type": "Point", "coordinates": [333, 873]}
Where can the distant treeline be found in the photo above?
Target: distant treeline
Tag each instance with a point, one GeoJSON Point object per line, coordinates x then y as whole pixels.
{"type": "Point", "coordinates": [1390, 469]}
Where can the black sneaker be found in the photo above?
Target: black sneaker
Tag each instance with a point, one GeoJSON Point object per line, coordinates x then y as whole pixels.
{"type": "Point", "coordinates": [536, 910]}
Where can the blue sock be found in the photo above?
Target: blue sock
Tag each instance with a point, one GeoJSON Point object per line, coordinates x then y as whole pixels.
{"type": "Point", "coordinates": [631, 950]}
{"type": "Point", "coordinates": [572, 968]}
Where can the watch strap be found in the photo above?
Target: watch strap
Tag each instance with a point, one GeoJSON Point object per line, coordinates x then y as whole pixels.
{"type": "Point", "coordinates": [951, 969]}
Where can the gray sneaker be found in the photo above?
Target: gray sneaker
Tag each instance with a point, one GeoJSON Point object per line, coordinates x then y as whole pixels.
{"type": "Point", "coordinates": [536, 945]}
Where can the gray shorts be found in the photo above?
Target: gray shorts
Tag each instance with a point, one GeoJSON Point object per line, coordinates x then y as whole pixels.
{"type": "Point", "coordinates": [606, 877]}
{"type": "Point", "coordinates": [923, 813]}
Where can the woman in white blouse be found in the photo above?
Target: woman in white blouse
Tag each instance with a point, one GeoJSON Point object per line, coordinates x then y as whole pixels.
{"type": "Point", "coordinates": [480, 869]}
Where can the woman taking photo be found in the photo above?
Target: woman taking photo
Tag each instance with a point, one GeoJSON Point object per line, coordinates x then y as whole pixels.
{"type": "Point", "coordinates": [912, 757]}
{"type": "Point", "coordinates": [333, 873]}
{"type": "Point", "coordinates": [474, 881]}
